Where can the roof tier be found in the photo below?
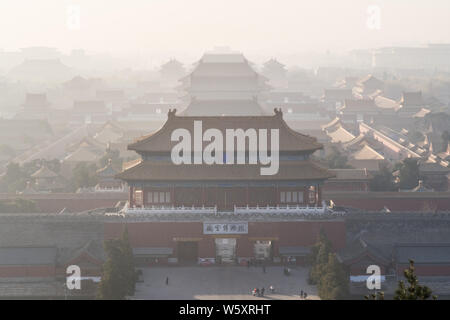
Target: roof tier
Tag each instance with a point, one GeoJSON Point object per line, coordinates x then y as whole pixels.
{"type": "Point", "coordinates": [289, 140]}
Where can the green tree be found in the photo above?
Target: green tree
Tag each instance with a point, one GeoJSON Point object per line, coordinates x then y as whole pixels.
{"type": "Point", "coordinates": [375, 296]}
{"type": "Point", "coordinates": [113, 284]}
{"type": "Point", "coordinates": [129, 271]}
{"type": "Point", "coordinates": [319, 257]}
{"type": "Point", "coordinates": [334, 282]}
{"type": "Point", "coordinates": [336, 160]}
{"type": "Point", "coordinates": [409, 173]}
{"type": "Point", "coordinates": [119, 276]}
{"type": "Point", "coordinates": [412, 290]}
{"type": "Point", "coordinates": [14, 179]}
{"type": "Point", "coordinates": [83, 175]}
{"type": "Point", "coordinates": [383, 180]}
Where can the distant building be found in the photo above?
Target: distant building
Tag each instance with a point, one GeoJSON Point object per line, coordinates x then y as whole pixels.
{"type": "Point", "coordinates": [411, 103]}
{"type": "Point", "coordinates": [356, 111]}
{"type": "Point", "coordinates": [430, 57]}
{"type": "Point", "coordinates": [45, 180]}
{"type": "Point", "coordinates": [223, 83]}
{"type": "Point", "coordinates": [107, 181]}
{"type": "Point", "coordinates": [171, 72]}
{"type": "Point", "coordinates": [41, 70]}
{"type": "Point", "coordinates": [367, 86]}
{"type": "Point", "coordinates": [89, 111]}
{"type": "Point", "coordinates": [276, 73]}
{"type": "Point", "coordinates": [434, 175]}
{"type": "Point", "coordinates": [350, 180]}
{"type": "Point", "coordinates": [36, 106]}
{"type": "Point", "coordinates": [334, 99]}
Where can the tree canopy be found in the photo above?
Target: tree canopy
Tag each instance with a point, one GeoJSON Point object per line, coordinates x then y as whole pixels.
{"type": "Point", "coordinates": [383, 179]}
{"type": "Point", "coordinates": [327, 272]}
{"type": "Point", "coordinates": [408, 173]}
{"type": "Point", "coordinates": [412, 290]}
{"type": "Point", "coordinates": [118, 277]}
{"type": "Point", "coordinates": [336, 160]}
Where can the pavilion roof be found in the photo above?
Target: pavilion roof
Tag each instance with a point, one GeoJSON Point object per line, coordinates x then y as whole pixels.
{"type": "Point", "coordinates": [107, 171]}
{"type": "Point", "coordinates": [386, 103]}
{"type": "Point", "coordinates": [44, 172]}
{"type": "Point", "coordinates": [370, 80]}
{"type": "Point", "coordinates": [223, 107]}
{"type": "Point", "coordinates": [337, 94]}
{"type": "Point", "coordinates": [366, 153]}
{"type": "Point", "coordinates": [357, 105]}
{"type": "Point", "coordinates": [289, 139]}
{"type": "Point", "coordinates": [351, 174]}
{"type": "Point", "coordinates": [82, 154]}
{"type": "Point", "coordinates": [412, 99]}
{"type": "Point", "coordinates": [340, 135]}
{"type": "Point", "coordinates": [273, 63]}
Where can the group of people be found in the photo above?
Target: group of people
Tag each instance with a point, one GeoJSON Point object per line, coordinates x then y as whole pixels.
{"type": "Point", "coordinates": [303, 294]}
{"type": "Point", "coordinates": [260, 292]}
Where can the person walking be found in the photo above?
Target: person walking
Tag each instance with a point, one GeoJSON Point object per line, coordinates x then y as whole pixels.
{"type": "Point", "coordinates": [262, 292]}
{"type": "Point", "coordinates": [167, 281]}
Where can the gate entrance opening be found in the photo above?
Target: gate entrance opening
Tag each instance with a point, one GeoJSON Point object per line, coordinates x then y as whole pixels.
{"type": "Point", "coordinates": [225, 250]}
{"type": "Point", "coordinates": [187, 251]}
{"type": "Point", "coordinates": [263, 250]}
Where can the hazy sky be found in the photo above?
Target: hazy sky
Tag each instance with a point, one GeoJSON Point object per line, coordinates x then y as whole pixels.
{"type": "Point", "coordinates": [193, 26]}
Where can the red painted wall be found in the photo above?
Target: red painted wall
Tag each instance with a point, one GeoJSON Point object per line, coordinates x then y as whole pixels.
{"type": "Point", "coordinates": [395, 201]}
{"type": "Point", "coordinates": [27, 271]}
{"type": "Point", "coordinates": [435, 270]}
{"type": "Point", "coordinates": [289, 233]}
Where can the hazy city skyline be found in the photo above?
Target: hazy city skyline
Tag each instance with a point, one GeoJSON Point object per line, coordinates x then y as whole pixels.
{"type": "Point", "coordinates": [255, 27]}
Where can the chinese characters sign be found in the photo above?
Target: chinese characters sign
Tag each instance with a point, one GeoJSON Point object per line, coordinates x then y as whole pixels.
{"type": "Point", "coordinates": [225, 228]}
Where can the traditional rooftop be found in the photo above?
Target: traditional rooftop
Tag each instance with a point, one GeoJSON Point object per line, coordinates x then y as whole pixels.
{"type": "Point", "coordinates": [412, 99]}
{"type": "Point", "coordinates": [290, 140]}
{"type": "Point", "coordinates": [340, 135]}
{"type": "Point", "coordinates": [350, 174]}
{"type": "Point", "coordinates": [44, 173]}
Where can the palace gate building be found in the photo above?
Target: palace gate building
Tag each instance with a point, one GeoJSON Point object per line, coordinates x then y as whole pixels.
{"type": "Point", "coordinates": [225, 213]}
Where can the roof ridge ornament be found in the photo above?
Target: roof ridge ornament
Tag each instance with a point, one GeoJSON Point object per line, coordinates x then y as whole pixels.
{"type": "Point", "coordinates": [171, 113]}
{"type": "Point", "coordinates": [278, 112]}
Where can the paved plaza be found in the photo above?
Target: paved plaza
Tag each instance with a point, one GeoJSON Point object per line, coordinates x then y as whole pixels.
{"type": "Point", "coordinates": [228, 283]}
